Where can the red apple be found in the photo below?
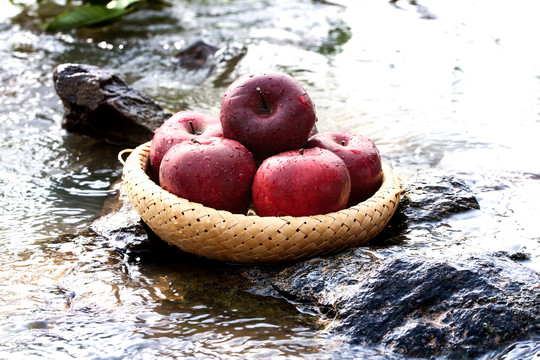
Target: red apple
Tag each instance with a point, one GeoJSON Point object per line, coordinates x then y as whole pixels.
{"type": "Point", "coordinates": [301, 183]}
{"type": "Point", "coordinates": [268, 112]}
{"type": "Point", "coordinates": [361, 157]}
{"type": "Point", "coordinates": [182, 126]}
{"type": "Point", "coordinates": [215, 172]}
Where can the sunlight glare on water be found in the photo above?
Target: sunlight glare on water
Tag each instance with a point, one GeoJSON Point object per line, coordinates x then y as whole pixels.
{"type": "Point", "coordinates": [465, 85]}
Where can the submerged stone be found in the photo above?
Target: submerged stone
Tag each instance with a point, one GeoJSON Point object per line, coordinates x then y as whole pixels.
{"type": "Point", "coordinates": [98, 104]}
{"type": "Point", "coordinates": [431, 197]}
{"type": "Point", "coordinates": [197, 55]}
{"type": "Point", "coordinates": [202, 55]}
{"type": "Point", "coordinates": [121, 225]}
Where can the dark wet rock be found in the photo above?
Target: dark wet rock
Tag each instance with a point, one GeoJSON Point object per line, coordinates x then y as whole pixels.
{"type": "Point", "coordinates": [423, 11]}
{"type": "Point", "coordinates": [201, 55]}
{"type": "Point", "coordinates": [197, 55]}
{"type": "Point", "coordinates": [124, 230]}
{"type": "Point", "coordinates": [430, 197]}
{"type": "Point", "coordinates": [460, 306]}
{"type": "Point", "coordinates": [97, 103]}
{"type": "Point", "coordinates": [516, 255]}
{"type": "Point", "coordinates": [121, 225]}
{"type": "Point", "coordinates": [232, 53]}
{"type": "Point", "coordinates": [206, 59]}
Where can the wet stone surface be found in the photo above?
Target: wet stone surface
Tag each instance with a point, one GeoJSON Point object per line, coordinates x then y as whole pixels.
{"type": "Point", "coordinates": [430, 199]}
{"type": "Point", "coordinates": [197, 55]}
{"type": "Point", "coordinates": [99, 104]}
{"type": "Point", "coordinates": [422, 307]}
{"type": "Point", "coordinates": [121, 224]}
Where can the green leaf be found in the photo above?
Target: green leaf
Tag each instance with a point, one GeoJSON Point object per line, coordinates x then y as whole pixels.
{"type": "Point", "coordinates": [89, 15]}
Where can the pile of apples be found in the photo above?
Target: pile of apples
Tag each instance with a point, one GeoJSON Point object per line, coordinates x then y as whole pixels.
{"type": "Point", "coordinates": [264, 150]}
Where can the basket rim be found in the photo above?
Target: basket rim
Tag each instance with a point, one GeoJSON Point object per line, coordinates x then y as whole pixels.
{"type": "Point", "coordinates": [144, 193]}
{"type": "Point", "coordinates": [145, 148]}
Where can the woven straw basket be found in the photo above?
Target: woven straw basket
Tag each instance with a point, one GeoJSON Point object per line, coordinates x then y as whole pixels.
{"type": "Point", "coordinates": [221, 235]}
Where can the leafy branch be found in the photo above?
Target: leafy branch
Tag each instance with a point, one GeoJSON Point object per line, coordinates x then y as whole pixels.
{"type": "Point", "coordinates": [93, 13]}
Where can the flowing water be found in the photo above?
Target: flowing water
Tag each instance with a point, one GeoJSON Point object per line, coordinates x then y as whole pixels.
{"type": "Point", "coordinates": [452, 87]}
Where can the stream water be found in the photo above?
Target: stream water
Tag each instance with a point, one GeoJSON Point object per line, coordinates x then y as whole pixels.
{"type": "Point", "coordinates": [446, 86]}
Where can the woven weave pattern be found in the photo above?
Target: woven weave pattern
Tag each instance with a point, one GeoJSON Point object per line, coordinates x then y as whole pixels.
{"type": "Point", "coordinates": [221, 235]}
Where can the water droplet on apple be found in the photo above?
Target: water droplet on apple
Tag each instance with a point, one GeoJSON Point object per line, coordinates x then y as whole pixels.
{"type": "Point", "coordinates": [207, 158]}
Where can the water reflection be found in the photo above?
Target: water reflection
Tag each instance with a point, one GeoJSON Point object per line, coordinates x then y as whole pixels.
{"type": "Point", "coordinates": [48, 184]}
{"type": "Point", "coordinates": [81, 292]}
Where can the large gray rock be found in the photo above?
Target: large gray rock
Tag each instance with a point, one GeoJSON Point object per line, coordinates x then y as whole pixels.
{"type": "Point", "coordinates": [460, 306]}
{"type": "Point", "coordinates": [97, 103]}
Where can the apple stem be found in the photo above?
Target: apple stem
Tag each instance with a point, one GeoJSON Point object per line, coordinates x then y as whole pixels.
{"type": "Point", "coordinates": [195, 141]}
{"type": "Point", "coordinates": [192, 127]}
{"type": "Point", "coordinates": [265, 107]}
{"type": "Point", "coordinates": [342, 142]}
{"type": "Point", "coordinates": [301, 151]}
